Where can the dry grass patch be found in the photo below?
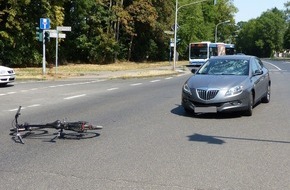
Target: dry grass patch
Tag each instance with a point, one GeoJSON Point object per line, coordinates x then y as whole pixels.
{"type": "Point", "coordinates": [72, 70]}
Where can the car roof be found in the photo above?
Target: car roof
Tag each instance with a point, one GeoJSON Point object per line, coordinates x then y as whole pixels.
{"type": "Point", "coordinates": [245, 57]}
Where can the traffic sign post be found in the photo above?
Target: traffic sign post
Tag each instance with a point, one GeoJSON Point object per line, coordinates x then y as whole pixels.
{"type": "Point", "coordinates": [43, 34]}
{"type": "Point", "coordinates": [64, 28]}
{"type": "Point", "coordinates": [43, 53]}
{"type": "Point", "coordinates": [57, 36]}
{"type": "Point", "coordinates": [44, 23]}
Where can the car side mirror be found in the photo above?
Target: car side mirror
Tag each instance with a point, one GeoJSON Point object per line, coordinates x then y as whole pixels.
{"type": "Point", "coordinates": [258, 72]}
{"type": "Point", "coordinates": [193, 71]}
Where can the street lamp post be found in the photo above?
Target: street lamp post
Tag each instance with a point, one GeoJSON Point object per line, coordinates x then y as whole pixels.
{"type": "Point", "coordinates": [175, 25]}
{"type": "Point", "coordinates": [216, 27]}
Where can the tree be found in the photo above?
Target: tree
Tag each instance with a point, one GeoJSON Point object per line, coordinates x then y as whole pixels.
{"type": "Point", "coordinates": [264, 35]}
{"type": "Point", "coordinates": [286, 43]}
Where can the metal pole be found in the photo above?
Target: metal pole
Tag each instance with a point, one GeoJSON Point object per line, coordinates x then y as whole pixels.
{"type": "Point", "coordinates": [215, 36]}
{"type": "Point", "coordinates": [175, 26]}
{"type": "Point", "coordinates": [56, 52]}
{"type": "Point", "coordinates": [43, 52]}
{"type": "Point", "coordinates": [175, 36]}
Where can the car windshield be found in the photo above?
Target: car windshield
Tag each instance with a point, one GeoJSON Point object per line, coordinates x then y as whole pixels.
{"type": "Point", "coordinates": [225, 67]}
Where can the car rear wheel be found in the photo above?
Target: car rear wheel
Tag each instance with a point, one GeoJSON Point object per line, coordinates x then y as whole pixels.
{"type": "Point", "coordinates": [266, 98]}
{"type": "Point", "coordinates": [249, 110]}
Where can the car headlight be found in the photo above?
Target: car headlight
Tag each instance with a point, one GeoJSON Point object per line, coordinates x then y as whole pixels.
{"type": "Point", "coordinates": [234, 91]}
{"type": "Point", "coordinates": [186, 89]}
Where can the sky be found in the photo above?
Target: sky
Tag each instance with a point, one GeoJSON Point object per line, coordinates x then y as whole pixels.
{"type": "Point", "coordinates": [250, 9]}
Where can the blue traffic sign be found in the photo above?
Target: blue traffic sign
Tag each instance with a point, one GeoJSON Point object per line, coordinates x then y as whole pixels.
{"type": "Point", "coordinates": [44, 23]}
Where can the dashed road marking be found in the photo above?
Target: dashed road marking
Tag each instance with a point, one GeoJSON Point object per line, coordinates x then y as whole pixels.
{"type": "Point", "coordinates": [76, 96]}
{"type": "Point", "coordinates": [111, 89]}
{"type": "Point", "coordinates": [136, 84]}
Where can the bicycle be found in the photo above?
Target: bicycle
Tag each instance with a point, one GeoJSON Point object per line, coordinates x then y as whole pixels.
{"type": "Point", "coordinates": [80, 129]}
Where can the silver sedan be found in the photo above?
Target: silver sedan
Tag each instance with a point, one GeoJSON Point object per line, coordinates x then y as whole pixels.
{"type": "Point", "coordinates": [228, 83]}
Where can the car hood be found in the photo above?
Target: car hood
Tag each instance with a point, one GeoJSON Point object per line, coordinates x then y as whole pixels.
{"type": "Point", "coordinates": [6, 70]}
{"type": "Point", "coordinates": [215, 81]}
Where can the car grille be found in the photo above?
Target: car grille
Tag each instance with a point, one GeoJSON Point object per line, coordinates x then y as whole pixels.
{"type": "Point", "coordinates": [207, 94]}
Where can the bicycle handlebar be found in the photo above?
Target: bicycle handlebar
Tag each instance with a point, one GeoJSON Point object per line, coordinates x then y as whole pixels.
{"type": "Point", "coordinates": [18, 112]}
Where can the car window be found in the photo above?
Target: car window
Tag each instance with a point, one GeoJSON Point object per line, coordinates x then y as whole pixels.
{"type": "Point", "coordinates": [225, 67]}
{"type": "Point", "coordinates": [260, 63]}
{"type": "Point", "coordinates": [256, 65]}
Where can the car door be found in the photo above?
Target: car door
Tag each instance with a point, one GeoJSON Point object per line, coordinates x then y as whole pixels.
{"type": "Point", "coordinates": [258, 78]}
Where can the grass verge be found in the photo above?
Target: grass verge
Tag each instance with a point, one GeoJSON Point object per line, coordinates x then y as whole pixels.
{"type": "Point", "coordinates": [129, 69]}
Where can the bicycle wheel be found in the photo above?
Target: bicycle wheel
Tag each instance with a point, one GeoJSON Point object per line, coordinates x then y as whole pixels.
{"type": "Point", "coordinates": [78, 136]}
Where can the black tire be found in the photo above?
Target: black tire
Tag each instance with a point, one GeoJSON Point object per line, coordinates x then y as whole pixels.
{"type": "Point", "coordinates": [78, 136]}
{"type": "Point", "coordinates": [249, 111]}
{"type": "Point", "coordinates": [267, 97]}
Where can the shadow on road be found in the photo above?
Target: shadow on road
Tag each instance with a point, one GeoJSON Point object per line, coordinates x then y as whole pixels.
{"type": "Point", "coordinates": [219, 140]}
{"type": "Point", "coordinates": [205, 138]}
{"type": "Point", "coordinates": [181, 112]}
{"type": "Point", "coordinates": [6, 85]}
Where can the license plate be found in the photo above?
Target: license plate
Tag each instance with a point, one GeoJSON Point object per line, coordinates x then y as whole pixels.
{"type": "Point", "coordinates": [211, 109]}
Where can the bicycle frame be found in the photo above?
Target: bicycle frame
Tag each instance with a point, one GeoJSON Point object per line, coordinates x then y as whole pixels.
{"type": "Point", "coordinates": [78, 127]}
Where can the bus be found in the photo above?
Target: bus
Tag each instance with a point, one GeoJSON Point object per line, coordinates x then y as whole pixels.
{"type": "Point", "coordinates": [200, 52]}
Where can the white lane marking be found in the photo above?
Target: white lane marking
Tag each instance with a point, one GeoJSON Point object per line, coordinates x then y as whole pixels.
{"type": "Point", "coordinates": [168, 78]}
{"type": "Point", "coordinates": [11, 92]}
{"type": "Point", "coordinates": [154, 81]}
{"type": "Point", "coordinates": [273, 65]}
{"type": "Point", "coordinates": [13, 110]}
{"type": "Point", "coordinates": [77, 96]}
{"type": "Point", "coordinates": [34, 105]}
{"type": "Point", "coordinates": [136, 84]}
{"type": "Point", "coordinates": [110, 89]}
{"type": "Point", "coordinates": [2, 94]}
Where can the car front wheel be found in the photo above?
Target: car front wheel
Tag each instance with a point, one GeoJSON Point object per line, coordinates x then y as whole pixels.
{"type": "Point", "coordinates": [266, 98]}
{"type": "Point", "coordinates": [249, 110]}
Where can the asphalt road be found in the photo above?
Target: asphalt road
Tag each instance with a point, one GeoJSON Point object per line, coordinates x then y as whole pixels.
{"type": "Point", "coordinates": [148, 141]}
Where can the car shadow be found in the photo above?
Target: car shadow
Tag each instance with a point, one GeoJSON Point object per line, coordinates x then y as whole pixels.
{"type": "Point", "coordinates": [6, 85]}
{"type": "Point", "coordinates": [179, 110]}
{"type": "Point", "coordinates": [219, 140]}
{"type": "Point", "coordinates": [205, 138]}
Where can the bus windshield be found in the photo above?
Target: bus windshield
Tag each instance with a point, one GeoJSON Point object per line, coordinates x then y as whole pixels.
{"type": "Point", "coordinates": [198, 51]}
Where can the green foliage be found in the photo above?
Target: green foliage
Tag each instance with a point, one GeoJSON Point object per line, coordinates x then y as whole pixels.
{"type": "Point", "coordinates": [286, 43]}
{"type": "Point", "coordinates": [104, 31]}
{"type": "Point", "coordinates": [264, 35]}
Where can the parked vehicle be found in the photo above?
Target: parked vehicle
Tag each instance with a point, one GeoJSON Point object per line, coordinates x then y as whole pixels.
{"type": "Point", "coordinates": [7, 75]}
{"type": "Point", "coordinates": [227, 84]}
